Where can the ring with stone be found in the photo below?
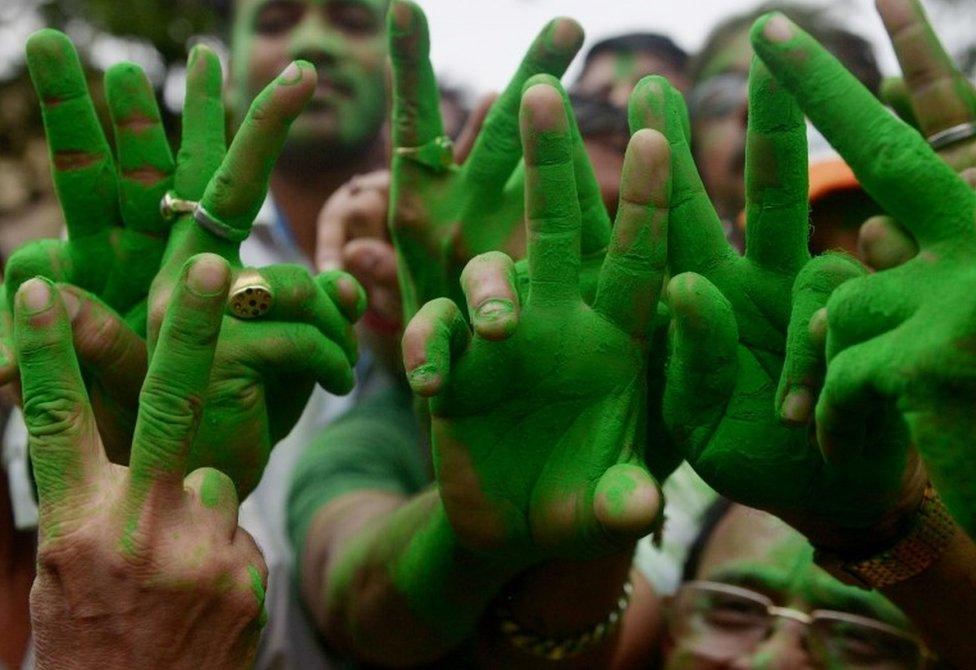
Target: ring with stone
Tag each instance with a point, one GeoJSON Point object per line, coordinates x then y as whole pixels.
{"type": "Point", "coordinates": [251, 297]}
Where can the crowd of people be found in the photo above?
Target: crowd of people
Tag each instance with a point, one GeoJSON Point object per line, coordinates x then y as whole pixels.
{"type": "Point", "coordinates": [671, 368]}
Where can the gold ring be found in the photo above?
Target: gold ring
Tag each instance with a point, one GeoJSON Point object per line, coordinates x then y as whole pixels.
{"type": "Point", "coordinates": [437, 154]}
{"type": "Point", "coordinates": [251, 296]}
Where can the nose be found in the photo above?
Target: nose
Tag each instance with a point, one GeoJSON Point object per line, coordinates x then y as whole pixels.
{"type": "Point", "coordinates": [784, 649]}
{"type": "Point", "coordinates": [620, 94]}
{"type": "Point", "coordinates": [314, 40]}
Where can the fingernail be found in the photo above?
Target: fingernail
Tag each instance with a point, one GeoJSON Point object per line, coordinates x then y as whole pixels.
{"type": "Point", "coordinates": [797, 406]}
{"type": "Point", "coordinates": [206, 277]}
{"type": "Point", "coordinates": [423, 377]}
{"type": "Point", "coordinates": [402, 17]}
{"type": "Point", "coordinates": [192, 57]}
{"type": "Point", "coordinates": [71, 303]}
{"type": "Point", "coordinates": [563, 35]}
{"type": "Point", "coordinates": [492, 310]}
{"type": "Point", "coordinates": [348, 293]}
{"type": "Point", "coordinates": [36, 295]}
{"type": "Point", "coordinates": [778, 29]}
{"type": "Point", "coordinates": [290, 75]}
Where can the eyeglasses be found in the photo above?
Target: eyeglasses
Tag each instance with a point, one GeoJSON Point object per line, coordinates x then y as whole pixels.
{"type": "Point", "coordinates": [729, 621]}
{"type": "Point", "coordinates": [719, 96]}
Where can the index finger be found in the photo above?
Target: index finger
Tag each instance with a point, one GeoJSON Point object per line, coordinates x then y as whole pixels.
{"type": "Point", "coordinates": [236, 192]}
{"type": "Point", "coordinates": [777, 201]}
{"type": "Point", "coordinates": [175, 389]}
{"type": "Point", "coordinates": [696, 240]}
{"type": "Point", "coordinates": [940, 94]}
{"type": "Point", "coordinates": [204, 140]}
{"type": "Point", "coordinates": [64, 444]}
{"type": "Point", "coordinates": [416, 101]}
{"type": "Point", "coordinates": [81, 161]}
{"type": "Point", "coordinates": [552, 210]}
{"type": "Point", "coordinates": [892, 162]}
{"type": "Point", "coordinates": [497, 149]}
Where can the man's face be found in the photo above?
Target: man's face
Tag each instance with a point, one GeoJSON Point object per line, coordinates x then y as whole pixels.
{"type": "Point", "coordinates": [755, 552]}
{"type": "Point", "coordinates": [718, 105]}
{"type": "Point", "coordinates": [604, 87]}
{"type": "Point", "coordinates": [344, 39]}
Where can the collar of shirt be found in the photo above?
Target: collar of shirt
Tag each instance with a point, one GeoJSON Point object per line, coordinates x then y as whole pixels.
{"type": "Point", "coordinates": [271, 240]}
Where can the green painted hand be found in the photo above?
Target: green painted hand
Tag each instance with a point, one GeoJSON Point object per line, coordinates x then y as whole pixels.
{"type": "Point", "coordinates": [933, 96]}
{"type": "Point", "coordinates": [264, 369]}
{"type": "Point", "coordinates": [730, 317]}
{"type": "Point", "coordinates": [538, 418]}
{"type": "Point", "coordinates": [116, 233]}
{"type": "Point", "coordinates": [137, 549]}
{"type": "Point", "coordinates": [899, 339]}
{"type": "Point", "coordinates": [443, 214]}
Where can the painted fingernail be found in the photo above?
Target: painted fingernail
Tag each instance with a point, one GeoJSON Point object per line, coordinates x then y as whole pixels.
{"type": "Point", "coordinates": [797, 406]}
{"type": "Point", "coordinates": [778, 29]}
{"type": "Point", "coordinates": [492, 310]}
{"type": "Point", "coordinates": [564, 35]}
{"type": "Point", "coordinates": [207, 277]}
{"type": "Point", "coordinates": [290, 75]}
{"type": "Point", "coordinates": [36, 295]}
{"type": "Point", "coordinates": [71, 303]}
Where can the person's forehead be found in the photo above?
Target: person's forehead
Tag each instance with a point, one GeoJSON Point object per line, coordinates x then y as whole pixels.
{"type": "Point", "coordinates": [757, 550]}
{"type": "Point", "coordinates": [734, 56]}
{"type": "Point", "coordinates": [248, 7]}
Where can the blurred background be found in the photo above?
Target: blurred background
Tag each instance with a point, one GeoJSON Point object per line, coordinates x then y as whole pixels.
{"type": "Point", "coordinates": [476, 46]}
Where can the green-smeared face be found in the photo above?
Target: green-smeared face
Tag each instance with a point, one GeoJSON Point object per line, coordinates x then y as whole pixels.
{"type": "Point", "coordinates": [757, 553]}
{"type": "Point", "coordinates": [346, 42]}
{"type": "Point", "coordinates": [717, 105]}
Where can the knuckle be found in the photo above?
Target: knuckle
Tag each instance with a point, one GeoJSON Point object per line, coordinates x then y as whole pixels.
{"type": "Point", "coordinates": [54, 413]}
{"type": "Point", "coordinates": [170, 414]}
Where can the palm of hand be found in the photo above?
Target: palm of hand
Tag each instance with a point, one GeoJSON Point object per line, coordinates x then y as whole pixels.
{"type": "Point", "coordinates": [745, 451]}
{"type": "Point", "coordinates": [561, 399]}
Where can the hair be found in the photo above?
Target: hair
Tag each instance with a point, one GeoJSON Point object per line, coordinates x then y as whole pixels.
{"type": "Point", "coordinates": [851, 49]}
{"type": "Point", "coordinates": [661, 46]}
{"type": "Point", "coordinates": [709, 522]}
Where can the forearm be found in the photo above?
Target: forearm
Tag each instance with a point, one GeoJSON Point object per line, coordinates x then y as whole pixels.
{"type": "Point", "coordinates": [396, 588]}
{"type": "Point", "coordinates": [940, 601]}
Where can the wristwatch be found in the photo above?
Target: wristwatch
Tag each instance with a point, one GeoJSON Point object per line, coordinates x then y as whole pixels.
{"type": "Point", "coordinates": [929, 532]}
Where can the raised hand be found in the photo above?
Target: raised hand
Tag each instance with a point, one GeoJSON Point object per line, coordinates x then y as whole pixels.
{"type": "Point", "coordinates": [116, 233]}
{"type": "Point", "coordinates": [899, 338]}
{"type": "Point", "coordinates": [538, 417]}
{"type": "Point", "coordinates": [934, 97]}
{"type": "Point", "coordinates": [137, 566]}
{"type": "Point", "coordinates": [443, 214]}
{"type": "Point", "coordinates": [730, 315]}
{"type": "Point", "coordinates": [265, 367]}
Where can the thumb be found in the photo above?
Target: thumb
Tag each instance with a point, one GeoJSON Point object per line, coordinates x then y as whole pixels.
{"type": "Point", "coordinates": [628, 503]}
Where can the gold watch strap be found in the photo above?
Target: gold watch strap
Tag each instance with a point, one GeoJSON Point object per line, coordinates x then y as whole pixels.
{"type": "Point", "coordinates": [930, 532]}
{"type": "Point", "coordinates": [556, 649]}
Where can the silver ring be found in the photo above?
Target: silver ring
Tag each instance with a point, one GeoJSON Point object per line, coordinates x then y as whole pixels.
{"type": "Point", "coordinates": [171, 206]}
{"type": "Point", "coordinates": [438, 154]}
{"type": "Point", "coordinates": [217, 227]}
{"type": "Point", "coordinates": [950, 136]}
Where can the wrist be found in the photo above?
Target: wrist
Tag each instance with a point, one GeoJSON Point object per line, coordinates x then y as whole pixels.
{"type": "Point", "coordinates": [882, 531]}
{"type": "Point", "coordinates": [448, 585]}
